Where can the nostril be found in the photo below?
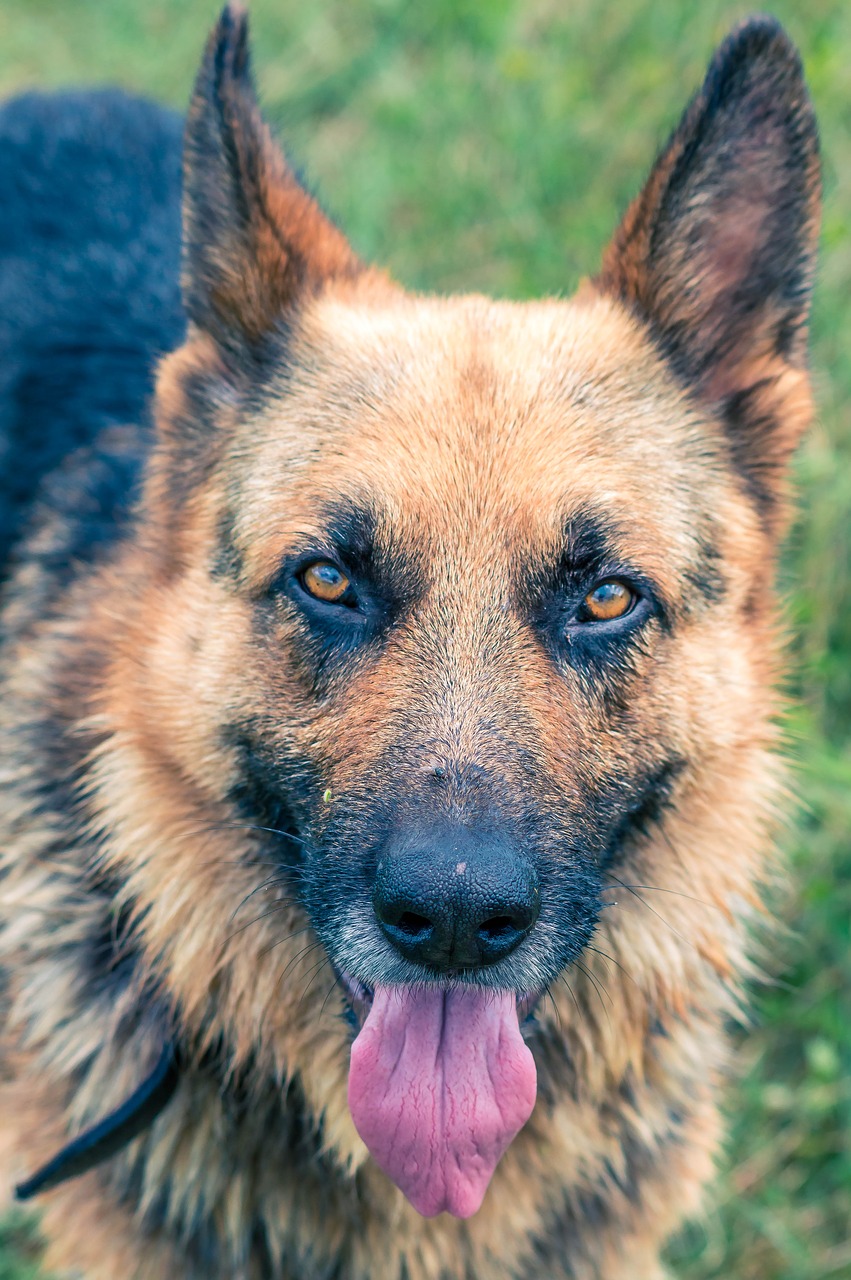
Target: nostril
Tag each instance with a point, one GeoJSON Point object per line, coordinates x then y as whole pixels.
{"type": "Point", "coordinates": [498, 928]}
{"type": "Point", "coordinates": [414, 926]}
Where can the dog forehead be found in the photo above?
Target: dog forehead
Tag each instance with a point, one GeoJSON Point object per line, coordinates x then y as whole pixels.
{"type": "Point", "coordinates": [473, 415]}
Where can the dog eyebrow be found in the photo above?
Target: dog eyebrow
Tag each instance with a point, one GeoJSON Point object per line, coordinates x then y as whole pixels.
{"type": "Point", "coordinates": [591, 547]}
{"type": "Point", "coordinates": [362, 533]}
{"type": "Point", "coordinates": [353, 530]}
{"type": "Point", "coordinates": [588, 547]}
{"type": "Point", "coordinates": [588, 550]}
{"type": "Point", "coordinates": [108, 1136]}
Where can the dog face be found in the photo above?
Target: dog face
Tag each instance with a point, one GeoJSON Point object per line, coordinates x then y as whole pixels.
{"type": "Point", "coordinates": [462, 701]}
{"type": "Point", "coordinates": [463, 608]}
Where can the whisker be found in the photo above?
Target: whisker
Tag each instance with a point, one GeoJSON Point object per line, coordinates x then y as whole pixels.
{"type": "Point", "coordinates": [294, 933]}
{"type": "Point", "coordinates": [264, 885]}
{"type": "Point", "coordinates": [677, 893]}
{"type": "Point", "coordinates": [313, 946]}
{"type": "Point", "coordinates": [658, 914]}
{"type": "Point", "coordinates": [316, 970]}
{"type": "Point", "coordinates": [293, 872]}
{"type": "Point", "coordinates": [246, 826]}
{"type": "Point", "coordinates": [551, 999]}
{"type": "Point", "coordinates": [599, 989]}
{"type": "Point", "coordinates": [563, 978]}
{"type": "Point", "coordinates": [279, 906]}
{"type": "Point", "coordinates": [333, 985]}
{"type": "Point", "coordinates": [613, 961]}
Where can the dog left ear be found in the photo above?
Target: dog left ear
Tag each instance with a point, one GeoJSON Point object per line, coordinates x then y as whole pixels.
{"type": "Point", "coordinates": [254, 240]}
{"type": "Point", "coordinates": [717, 252]}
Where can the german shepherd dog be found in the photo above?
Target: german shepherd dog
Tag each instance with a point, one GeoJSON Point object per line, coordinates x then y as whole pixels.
{"type": "Point", "coordinates": [372, 666]}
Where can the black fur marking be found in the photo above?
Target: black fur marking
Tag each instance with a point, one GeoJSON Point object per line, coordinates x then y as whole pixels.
{"type": "Point", "coordinates": [83, 510]}
{"type": "Point", "coordinates": [646, 800]}
{"type": "Point", "coordinates": [353, 531]}
{"type": "Point", "coordinates": [112, 954]}
{"type": "Point", "coordinates": [705, 574]}
{"type": "Point", "coordinates": [566, 1232]}
{"type": "Point", "coordinates": [589, 552]}
{"type": "Point", "coordinates": [227, 563]}
{"type": "Point", "coordinates": [563, 841]}
{"type": "Point", "coordinates": [551, 595]}
{"type": "Point", "coordinates": [218, 215]}
{"type": "Point", "coordinates": [557, 1074]}
{"type": "Point", "coordinates": [108, 1137]}
{"type": "Point", "coordinates": [276, 1120]}
{"type": "Point", "coordinates": [361, 538]}
{"type": "Point", "coordinates": [268, 792]}
{"type": "Point", "coordinates": [743, 424]}
{"type": "Point", "coordinates": [387, 581]}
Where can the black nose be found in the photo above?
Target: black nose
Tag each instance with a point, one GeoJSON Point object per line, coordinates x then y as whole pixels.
{"type": "Point", "coordinates": [453, 901]}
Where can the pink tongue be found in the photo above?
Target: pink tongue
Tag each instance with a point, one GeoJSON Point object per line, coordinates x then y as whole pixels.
{"type": "Point", "coordinates": [440, 1083]}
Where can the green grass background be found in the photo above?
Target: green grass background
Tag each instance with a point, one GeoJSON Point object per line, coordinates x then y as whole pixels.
{"type": "Point", "coordinates": [492, 145]}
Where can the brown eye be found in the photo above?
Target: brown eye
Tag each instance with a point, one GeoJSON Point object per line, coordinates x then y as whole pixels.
{"type": "Point", "coordinates": [610, 599]}
{"type": "Point", "coordinates": [324, 581]}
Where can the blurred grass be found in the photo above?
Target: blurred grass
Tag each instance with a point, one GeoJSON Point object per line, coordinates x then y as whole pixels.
{"type": "Point", "coordinates": [491, 145]}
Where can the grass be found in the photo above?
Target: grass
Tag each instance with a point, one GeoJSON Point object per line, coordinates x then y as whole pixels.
{"type": "Point", "coordinates": [491, 145]}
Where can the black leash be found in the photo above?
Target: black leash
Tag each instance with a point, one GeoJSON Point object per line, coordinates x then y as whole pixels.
{"type": "Point", "coordinates": [109, 1135]}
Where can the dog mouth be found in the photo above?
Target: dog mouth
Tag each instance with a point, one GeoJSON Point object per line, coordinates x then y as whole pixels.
{"type": "Point", "coordinates": [359, 997]}
{"type": "Point", "coordinates": [359, 1000]}
{"type": "Point", "coordinates": [440, 1083]}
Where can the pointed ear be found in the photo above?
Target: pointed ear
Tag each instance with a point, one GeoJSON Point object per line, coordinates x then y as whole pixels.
{"type": "Point", "coordinates": [717, 253]}
{"type": "Point", "coordinates": [254, 240]}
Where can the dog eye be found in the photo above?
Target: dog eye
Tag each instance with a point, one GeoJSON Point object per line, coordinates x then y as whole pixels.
{"type": "Point", "coordinates": [608, 600]}
{"type": "Point", "coordinates": [325, 582]}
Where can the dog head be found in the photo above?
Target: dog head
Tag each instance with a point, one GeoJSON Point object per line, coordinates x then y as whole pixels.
{"type": "Point", "coordinates": [450, 614]}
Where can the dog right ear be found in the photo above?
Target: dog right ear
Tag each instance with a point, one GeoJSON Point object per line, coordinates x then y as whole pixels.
{"type": "Point", "coordinates": [254, 239]}
{"type": "Point", "coordinates": [717, 252]}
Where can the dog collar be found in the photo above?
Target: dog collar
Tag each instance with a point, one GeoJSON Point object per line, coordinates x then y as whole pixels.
{"type": "Point", "coordinates": [108, 1136]}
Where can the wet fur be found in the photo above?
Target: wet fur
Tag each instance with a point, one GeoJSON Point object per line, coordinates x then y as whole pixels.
{"type": "Point", "coordinates": [195, 775]}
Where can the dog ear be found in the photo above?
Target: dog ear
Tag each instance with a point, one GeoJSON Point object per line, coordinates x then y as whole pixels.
{"type": "Point", "coordinates": [254, 239]}
{"type": "Point", "coordinates": [717, 252]}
